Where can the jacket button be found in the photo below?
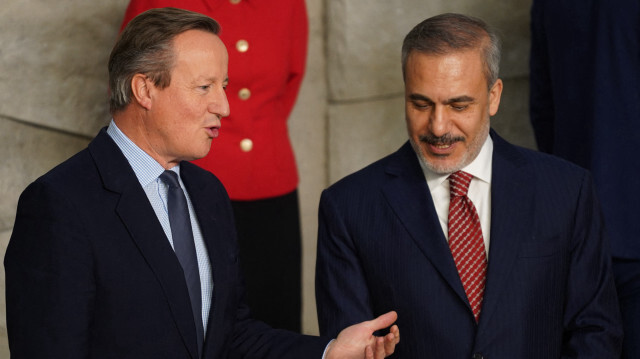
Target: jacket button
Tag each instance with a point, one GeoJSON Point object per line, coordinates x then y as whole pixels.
{"type": "Point", "coordinates": [246, 145]}
{"type": "Point", "coordinates": [477, 356]}
{"type": "Point", "coordinates": [242, 45]}
{"type": "Point", "coordinates": [244, 94]}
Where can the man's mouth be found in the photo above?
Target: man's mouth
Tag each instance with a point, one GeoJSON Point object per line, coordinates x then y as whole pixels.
{"type": "Point", "coordinates": [442, 146]}
{"type": "Point", "coordinates": [212, 132]}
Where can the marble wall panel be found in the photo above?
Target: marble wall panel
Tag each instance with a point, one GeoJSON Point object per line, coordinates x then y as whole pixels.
{"type": "Point", "coordinates": [4, 344]}
{"type": "Point", "coordinates": [363, 132]}
{"type": "Point", "coordinates": [53, 61]}
{"type": "Point", "coordinates": [27, 153]}
{"type": "Point", "coordinates": [365, 39]}
{"type": "Point", "coordinates": [307, 128]}
{"type": "Point", "coordinates": [512, 119]}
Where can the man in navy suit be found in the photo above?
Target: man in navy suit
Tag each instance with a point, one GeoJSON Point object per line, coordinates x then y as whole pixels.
{"type": "Point", "coordinates": [91, 270]}
{"type": "Point", "coordinates": [585, 107]}
{"type": "Point", "coordinates": [531, 278]}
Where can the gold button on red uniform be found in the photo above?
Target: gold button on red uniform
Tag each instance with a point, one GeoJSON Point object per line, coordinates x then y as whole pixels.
{"type": "Point", "coordinates": [244, 94]}
{"type": "Point", "coordinates": [246, 145]}
{"type": "Point", "coordinates": [242, 45]}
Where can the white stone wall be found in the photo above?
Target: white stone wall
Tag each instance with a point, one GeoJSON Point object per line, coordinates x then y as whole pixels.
{"type": "Point", "coordinates": [53, 85]}
{"type": "Point", "coordinates": [308, 131]}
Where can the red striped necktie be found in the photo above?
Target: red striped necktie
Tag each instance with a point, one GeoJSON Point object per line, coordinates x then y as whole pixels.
{"type": "Point", "coordinates": [465, 240]}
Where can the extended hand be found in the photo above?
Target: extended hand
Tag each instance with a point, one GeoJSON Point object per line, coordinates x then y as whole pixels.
{"type": "Point", "coordinates": [358, 341]}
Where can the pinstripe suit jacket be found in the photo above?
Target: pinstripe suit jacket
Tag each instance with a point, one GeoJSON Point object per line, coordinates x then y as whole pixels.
{"type": "Point", "coordinates": [549, 290]}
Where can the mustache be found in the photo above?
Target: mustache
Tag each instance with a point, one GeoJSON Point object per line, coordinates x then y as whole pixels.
{"type": "Point", "coordinates": [444, 140]}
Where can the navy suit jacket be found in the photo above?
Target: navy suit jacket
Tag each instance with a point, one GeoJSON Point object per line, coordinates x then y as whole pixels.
{"type": "Point", "coordinates": [91, 274]}
{"type": "Point", "coordinates": [549, 290]}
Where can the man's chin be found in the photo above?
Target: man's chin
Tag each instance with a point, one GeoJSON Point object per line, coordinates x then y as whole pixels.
{"type": "Point", "coordinates": [204, 152]}
{"type": "Point", "coordinates": [440, 164]}
{"type": "Point", "coordinates": [442, 167]}
{"type": "Point", "coordinates": [201, 156]}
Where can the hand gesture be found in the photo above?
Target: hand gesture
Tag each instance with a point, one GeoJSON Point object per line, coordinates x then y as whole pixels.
{"type": "Point", "coordinates": [358, 341]}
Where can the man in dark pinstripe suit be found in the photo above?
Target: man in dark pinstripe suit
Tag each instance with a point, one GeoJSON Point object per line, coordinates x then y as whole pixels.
{"type": "Point", "coordinates": [383, 232]}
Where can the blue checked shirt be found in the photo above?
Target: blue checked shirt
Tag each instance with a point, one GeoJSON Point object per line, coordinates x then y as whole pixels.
{"type": "Point", "coordinates": [147, 171]}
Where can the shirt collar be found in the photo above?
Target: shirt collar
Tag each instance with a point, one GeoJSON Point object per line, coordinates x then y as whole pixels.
{"type": "Point", "coordinates": [479, 168]}
{"type": "Point", "coordinates": [144, 166]}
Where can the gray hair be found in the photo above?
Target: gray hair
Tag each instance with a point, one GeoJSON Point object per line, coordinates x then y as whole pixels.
{"type": "Point", "coordinates": [145, 47]}
{"type": "Point", "coordinates": [447, 33]}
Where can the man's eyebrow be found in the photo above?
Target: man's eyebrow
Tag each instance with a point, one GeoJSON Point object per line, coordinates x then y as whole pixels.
{"type": "Point", "coordinates": [463, 98]}
{"type": "Point", "coordinates": [207, 79]}
{"type": "Point", "coordinates": [418, 97]}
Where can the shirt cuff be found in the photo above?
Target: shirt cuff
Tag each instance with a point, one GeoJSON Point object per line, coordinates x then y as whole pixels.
{"type": "Point", "coordinates": [324, 354]}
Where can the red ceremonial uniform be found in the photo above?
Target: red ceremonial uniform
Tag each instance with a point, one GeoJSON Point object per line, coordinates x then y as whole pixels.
{"type": "Point", "coordinates": [267, 45]}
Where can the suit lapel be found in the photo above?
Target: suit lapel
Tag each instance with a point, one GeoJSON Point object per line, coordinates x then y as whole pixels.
{"type": "Point", "coordinates": [511, 220]}
{"type": "Point", "coordinates": [408, 195]}
{"type": "Point", "coordinates": [138, 216]}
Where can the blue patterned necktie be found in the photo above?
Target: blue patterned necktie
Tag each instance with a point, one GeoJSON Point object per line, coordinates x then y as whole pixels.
{"type": "Point", "coordinates": [184, 246]}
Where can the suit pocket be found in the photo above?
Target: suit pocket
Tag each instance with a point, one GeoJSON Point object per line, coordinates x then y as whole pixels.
{"type": "Point", "coordinates": [542, 248]}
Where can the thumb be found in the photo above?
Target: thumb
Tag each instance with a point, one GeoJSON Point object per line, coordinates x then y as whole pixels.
{"type": "Point", "coordinates": [383, 321]}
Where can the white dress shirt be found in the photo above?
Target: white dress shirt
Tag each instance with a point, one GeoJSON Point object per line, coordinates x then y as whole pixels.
{"type": "Point", "coordinates": [479, 190]}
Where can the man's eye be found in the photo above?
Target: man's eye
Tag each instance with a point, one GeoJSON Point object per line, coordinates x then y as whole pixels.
{"type": "Point", "coordinates": [421, 105]}
{"type": "Point", "coordinates": [459, 107]}
{"type": "Point", "coordinates": [204, 87]}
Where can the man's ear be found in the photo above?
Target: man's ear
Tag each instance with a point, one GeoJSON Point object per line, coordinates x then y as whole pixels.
{"type": "Point", "coordinates": [494, 97]}
{"type": "Point", "coordinates": [141, 90]}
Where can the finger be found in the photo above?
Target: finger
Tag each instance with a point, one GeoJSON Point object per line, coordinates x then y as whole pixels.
{"type": "Point", "coordinates": [389, 343]}
{"type": "Point", "coordinates": [380, 348]}
{"type": "Point", "coordinates": [396, 332]}
{"type": "Point", "coordinates": [368, 352]}
{"type": "Point", "coordinates": [383, 321]}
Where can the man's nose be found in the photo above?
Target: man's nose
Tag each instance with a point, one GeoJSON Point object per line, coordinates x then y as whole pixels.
{"type": "Point", "coordinates": [220, 105]}
{"type": "Point", "coordinates": [438, 122]}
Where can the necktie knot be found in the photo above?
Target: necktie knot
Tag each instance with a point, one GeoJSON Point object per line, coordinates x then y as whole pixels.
{"type": "Point", "coordinates": [170, 178]}
{"type": "Point", "coordinates": [459, 183]}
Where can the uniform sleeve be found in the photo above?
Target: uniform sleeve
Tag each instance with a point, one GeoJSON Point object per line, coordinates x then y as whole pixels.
{"type": "Point", "coordinates": [50, 288]}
